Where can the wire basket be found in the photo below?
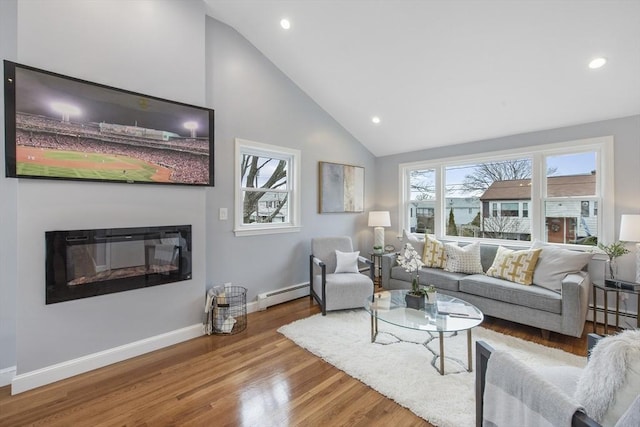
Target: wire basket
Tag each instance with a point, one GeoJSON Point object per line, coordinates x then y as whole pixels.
{"type": "Point", "coordinates": [229, 311]}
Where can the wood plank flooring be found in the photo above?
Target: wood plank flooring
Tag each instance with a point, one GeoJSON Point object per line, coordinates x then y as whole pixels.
{"type": "Point", "coordinates": [254, 378]}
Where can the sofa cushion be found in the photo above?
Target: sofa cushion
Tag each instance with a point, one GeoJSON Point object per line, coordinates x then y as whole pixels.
{"type": "Point", "coordinates": [416, 242]}
{"type": "Point", "coordinates": [515, 266]}
{"type": "Point", "coordinates": [554, 264]}
{"type": "Point", "coordinates": [464, 259]}
{"type": "Point", "coordinates": [434, 255]}
{"type": "Point", "coordinates": [533, 296]}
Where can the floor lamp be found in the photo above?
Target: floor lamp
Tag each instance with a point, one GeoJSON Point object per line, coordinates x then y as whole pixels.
{"type": "Point", "coordinates": [630, 232]}
{"type": "Point", "coordinates": [379, 220]}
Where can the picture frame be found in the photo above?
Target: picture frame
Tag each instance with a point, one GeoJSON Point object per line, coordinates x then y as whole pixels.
{"type": "Point", "coordinates": [341, 188]}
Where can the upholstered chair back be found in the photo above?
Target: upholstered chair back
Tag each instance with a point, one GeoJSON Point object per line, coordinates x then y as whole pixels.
{"type": "Point", "coordinates": [325, 249]}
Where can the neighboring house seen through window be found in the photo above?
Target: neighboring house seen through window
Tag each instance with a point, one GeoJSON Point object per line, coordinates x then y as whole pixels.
{"type": "Point", "coordinates": [549, 192]}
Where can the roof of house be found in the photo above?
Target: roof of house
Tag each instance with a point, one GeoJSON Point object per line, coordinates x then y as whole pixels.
{"type": "Point", "coordinates": [557, 186]}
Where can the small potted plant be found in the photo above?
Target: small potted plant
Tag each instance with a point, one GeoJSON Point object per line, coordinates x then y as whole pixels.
{"type": "Point", "coordinates": [613, 251]}
{"type": "Point", "coordinates": [377, 249]}
{"type": "Point", "coordinates": [410, 260]}
{"type": "Point", "coordinates": [430, 294]}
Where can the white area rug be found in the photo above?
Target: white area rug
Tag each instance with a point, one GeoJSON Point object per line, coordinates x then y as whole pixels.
{"type": "Point", "coordinates": [402, 371]}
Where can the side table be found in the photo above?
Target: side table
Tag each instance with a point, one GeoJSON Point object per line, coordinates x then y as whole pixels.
{"type": "Point", "coordinates": [606, 288]}
{"type": "Point", "coordinates": [376, 259]}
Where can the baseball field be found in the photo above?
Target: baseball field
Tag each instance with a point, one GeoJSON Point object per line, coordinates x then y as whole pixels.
{"type": "Point", "coordinates": [73, 164]}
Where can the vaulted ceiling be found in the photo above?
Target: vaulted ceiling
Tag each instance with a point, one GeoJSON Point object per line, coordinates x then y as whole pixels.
{"type": "Point", "coordinates": [442, 72]}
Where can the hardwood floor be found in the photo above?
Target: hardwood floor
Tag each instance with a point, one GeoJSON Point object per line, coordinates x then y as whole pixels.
{"type": "Point", "coordinates": [254, 378]}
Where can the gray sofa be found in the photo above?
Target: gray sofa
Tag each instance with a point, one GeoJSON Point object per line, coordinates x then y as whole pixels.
{"type": "Point", "coordinates": [532, 305]}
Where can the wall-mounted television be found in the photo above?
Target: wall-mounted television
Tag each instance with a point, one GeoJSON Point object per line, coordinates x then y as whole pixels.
{"type": "Point", "coordinates": [64, 128]}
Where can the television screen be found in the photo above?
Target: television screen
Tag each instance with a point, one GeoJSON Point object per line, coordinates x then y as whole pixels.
{"type": "Point", "coordinates": [60, 127]}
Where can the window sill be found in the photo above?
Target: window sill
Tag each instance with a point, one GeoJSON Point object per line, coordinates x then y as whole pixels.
{"type": "Point", "coordinates": [266, 230]}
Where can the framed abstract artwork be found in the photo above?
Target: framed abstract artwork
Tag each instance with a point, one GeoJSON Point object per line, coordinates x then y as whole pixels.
{"type": "Point", "coordinates": [341, 188]}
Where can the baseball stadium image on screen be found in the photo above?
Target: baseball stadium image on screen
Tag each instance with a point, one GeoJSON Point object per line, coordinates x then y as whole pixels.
{"type": "Point", "coordinates": [60, 127]}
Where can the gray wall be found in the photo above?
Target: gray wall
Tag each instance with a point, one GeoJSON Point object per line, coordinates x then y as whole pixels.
{"type": "Point", "coordinates": [169, 49]}
{"type": "Point", "coordinates": [255, 101]}
{"type": "Point", "coordinates": [135, 45]}
{"type": "Point", "coordinates": [626, 133]}
{"type": "Point", "coordinates": [8, 211]}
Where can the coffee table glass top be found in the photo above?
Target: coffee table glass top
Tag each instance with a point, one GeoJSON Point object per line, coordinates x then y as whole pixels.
{"type": "Point", "coordinates": [394, 311]}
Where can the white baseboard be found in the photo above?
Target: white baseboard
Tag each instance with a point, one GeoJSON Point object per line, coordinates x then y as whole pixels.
{"type": "Point", "coordinates": [70, 368]}
{"type": "Point", "coordinates": [252, 306]}
{"type": "Point", "coordinates": [6, 375]}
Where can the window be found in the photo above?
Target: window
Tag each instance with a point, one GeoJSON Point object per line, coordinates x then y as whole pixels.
{"type": "Point", "coordinates": [422, 197]}
{"type": "Point", "coordinates": [266, 198]}
{"type": "Point", "coordinates": [548, 192]}
{"type": "Point", "coordinates": [509, 209]}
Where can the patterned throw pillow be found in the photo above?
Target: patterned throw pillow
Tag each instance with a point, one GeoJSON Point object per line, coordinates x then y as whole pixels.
{"type": "Point", "coordinates": [465, 259]}
{"type": "Point", "coordinates": [433, 255]}
{"type": "Point", "coordinates": [514, 266]}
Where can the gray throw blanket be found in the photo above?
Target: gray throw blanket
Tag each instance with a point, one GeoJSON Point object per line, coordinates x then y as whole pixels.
{"type": "Point", "coordinates": [515, 395]}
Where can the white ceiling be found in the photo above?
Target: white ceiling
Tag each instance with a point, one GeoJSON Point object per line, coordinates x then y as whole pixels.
{"type": "Point", "coordinates": [442, 72]}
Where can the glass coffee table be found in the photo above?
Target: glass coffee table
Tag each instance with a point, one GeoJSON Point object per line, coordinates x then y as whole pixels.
{"type": "Point", "coordinates": [455, 315]}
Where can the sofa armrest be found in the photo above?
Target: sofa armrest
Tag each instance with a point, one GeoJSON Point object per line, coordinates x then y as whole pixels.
{"type": "Point", "coordinates": [575, 302]}
{"type": "Point", "coordinates": [387, 261]}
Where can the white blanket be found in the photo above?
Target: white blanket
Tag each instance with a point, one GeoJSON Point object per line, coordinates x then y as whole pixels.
{"type": "Point", "coordinates": [515, 395]}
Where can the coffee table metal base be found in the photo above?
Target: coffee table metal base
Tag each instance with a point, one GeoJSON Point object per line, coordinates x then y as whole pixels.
{"type": "Point", "coordinates": [374, 334]}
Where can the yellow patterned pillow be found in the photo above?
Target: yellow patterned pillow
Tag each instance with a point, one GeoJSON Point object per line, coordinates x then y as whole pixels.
{"type": "Point", "coordinates": [433, 254]}
{"type": "Point", "coordinates": [515, 266]}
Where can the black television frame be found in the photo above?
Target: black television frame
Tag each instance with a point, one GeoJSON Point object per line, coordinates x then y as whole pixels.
{"type": "Point", "coordinates": [173, 149]}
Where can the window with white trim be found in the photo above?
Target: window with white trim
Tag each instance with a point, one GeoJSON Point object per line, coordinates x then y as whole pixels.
{"type": "Point", "coordinates": [550, 192]}
{"type": "Point", "coordinates": [266, 181]}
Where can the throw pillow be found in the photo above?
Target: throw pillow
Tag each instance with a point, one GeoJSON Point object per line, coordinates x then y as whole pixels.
{"type": "Point", "coordinates": [433, 255]}
{"type": "Point", "coordinates": [554, 264]}
{"type": "Point", "coordinates": [416, 242]}
{"type": "Point", "coordinates": [463, 259]}
{"type": "Point", "coordinates": [514, 266]}
{"type": "Point", "coordinates": [347, 262]}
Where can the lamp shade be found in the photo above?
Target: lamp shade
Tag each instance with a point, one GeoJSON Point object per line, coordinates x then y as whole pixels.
{"type": "Point", "coordinates": [629, 228]}
{"type": "Point", "coordinates": [379, 219]}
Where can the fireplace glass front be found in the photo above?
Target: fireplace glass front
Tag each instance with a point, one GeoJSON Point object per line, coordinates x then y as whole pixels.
{"type": "Point", "coordinates": [86, 263]}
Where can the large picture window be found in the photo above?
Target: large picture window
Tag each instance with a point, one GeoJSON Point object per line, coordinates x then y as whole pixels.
{"type": "Point", "coordinates": [550, 192]}
{"type": "Point", "coordinates": [266, 182]}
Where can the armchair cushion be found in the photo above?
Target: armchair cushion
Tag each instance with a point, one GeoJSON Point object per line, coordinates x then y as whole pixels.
{"type": "Point", "coordinates": [347, 262]}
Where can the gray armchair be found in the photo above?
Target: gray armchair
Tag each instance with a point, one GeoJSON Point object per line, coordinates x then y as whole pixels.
{"type": "Point", "coordinates": [606, 392]}
{"type": "Point", "coordinates": [337, 291]}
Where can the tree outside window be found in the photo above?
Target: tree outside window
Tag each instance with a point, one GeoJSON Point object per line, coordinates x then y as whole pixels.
{"type": "Point", "coordinates": [266, 180]}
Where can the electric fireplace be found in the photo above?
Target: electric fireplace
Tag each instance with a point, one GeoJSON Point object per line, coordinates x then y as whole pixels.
{"type": "Point", "coordinates": [87, 263]}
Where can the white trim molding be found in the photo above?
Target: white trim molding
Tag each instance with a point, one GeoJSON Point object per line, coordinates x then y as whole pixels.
{"type": "Point", "coordinates": [6, 375]}
{"type": "Point", "coordinates": [70, 368]}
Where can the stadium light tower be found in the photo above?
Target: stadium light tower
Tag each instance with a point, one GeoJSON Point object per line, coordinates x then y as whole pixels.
{"type": "Point", "coordinates": [66, 110]}
{"type": "Point", "coordinates": [192, 126]}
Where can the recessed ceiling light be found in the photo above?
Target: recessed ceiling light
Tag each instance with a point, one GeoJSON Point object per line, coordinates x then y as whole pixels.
{"type": "Point", "coordinates": [597, 63]}
{"type": "Point", "coordinates": [284, 23]}
{"type": "Point", "coordinates": [375, 119]}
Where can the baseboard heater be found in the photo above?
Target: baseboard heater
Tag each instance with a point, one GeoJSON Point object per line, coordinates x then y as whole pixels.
{"type": "Point", "coordinates": [281, 295]}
